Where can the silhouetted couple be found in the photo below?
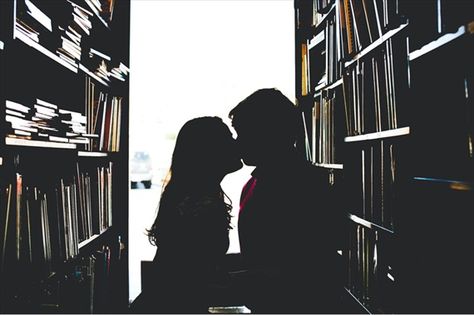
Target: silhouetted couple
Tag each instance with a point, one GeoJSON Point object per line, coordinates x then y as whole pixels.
{"type": "Point", "coordinates": [287, 227]}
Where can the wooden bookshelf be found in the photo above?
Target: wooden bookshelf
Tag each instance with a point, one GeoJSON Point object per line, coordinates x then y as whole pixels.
{"type": "Point", "coordinates": [66, 222]}
{"type": "Point", "coordinates": [404, 88]}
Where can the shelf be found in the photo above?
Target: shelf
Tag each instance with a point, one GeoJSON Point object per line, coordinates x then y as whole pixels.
{"type": "Point", "coordinates": [379, 135]}
{"type": "Point", "coordinates": [28, 41]}
{"type": "Point", "coordinates": [92, 154]}
{"type": "Point", "coordinates": [376, 44]}
{"type": "Point", "coordinates": [368, 224]}
{"type": "Point", "coordinates": [39, 143]}
{"type": "Point", "coordinates": [316, 40]}
{"type": "Point", "coordinates": [89, 240]}
{"type": "Point", "coordinates": [443, 40]}
{"type": "Point", "coordinates": [451, 184]}
{"type": "Point", "coordinates": [331, 166]}
{"type": "Point", "coordinates": [357, 300]}
{"type": "Point", "coordinates": [321, 85]}
{"type": "Point", "coordinates": [328, 86]}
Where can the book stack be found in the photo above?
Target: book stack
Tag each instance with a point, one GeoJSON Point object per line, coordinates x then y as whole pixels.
{"type": "Point", "coordinates": [60, 42]}
{"type": "Point", "coordinates": [71, 35]}
{"type": "Point", "coordinates": [46, 122]}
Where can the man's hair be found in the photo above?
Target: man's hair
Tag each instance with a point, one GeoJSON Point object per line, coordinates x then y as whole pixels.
{"type": "Point", "coordinates": [269, 109]}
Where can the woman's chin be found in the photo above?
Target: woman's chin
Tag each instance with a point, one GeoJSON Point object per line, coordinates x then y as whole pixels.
{"type": "Point", "coordinates": [235, 167]}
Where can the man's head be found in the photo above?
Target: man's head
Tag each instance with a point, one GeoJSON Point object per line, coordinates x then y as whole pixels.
{"type": "Point", "coordinates": [266, 124]}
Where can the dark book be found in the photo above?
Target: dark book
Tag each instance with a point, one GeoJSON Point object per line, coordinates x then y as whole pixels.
{"type": "Point", "coordinates": [382, 88]}
{"type": "Point", "coordinates": [372, 19]}
{"type": "Point", "coordinates": [61, 234]}
{"type": "Point", "coordinates": [94, 197]}
{"type": "Point", "coordinates": [369, 98]}
{"type": "Point", "coordinates": [377, 187]}
{"type": "Point", "coordinates": [316, 130]}
{"type": "Point", "coordinates": [390, 187]}
{"type": "Point", "coordinates": [346, 90]}
{"type": "Point", "coordinates": [400, 73]}
{"type": "Point", "coordinates": [7, 225]}
{"type": "Point", "coordinates": [361, 23]}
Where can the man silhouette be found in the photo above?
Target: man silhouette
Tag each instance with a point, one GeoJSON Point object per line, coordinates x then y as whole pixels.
{"type": "Point", "coordinates": [288, 229]}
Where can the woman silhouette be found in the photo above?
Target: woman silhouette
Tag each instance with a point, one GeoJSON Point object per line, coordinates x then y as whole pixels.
{"type": "Point", "coordinates": [193, 221]}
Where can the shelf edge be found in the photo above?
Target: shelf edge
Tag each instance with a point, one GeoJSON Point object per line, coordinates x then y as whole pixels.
{"type": "Point", "coordinates": [375, 44]}
{"type": "Point", "coordinates": [91, 154]}
{"type": "Point", "coordinates": [39, 143]}
{"type": "Point", "coordinates": [367, 224]}
{"type": "Point", "coordinates": [331, 166]}
{"type": "Point", "coordinates": [404, 131]}
{"type": "Point", "coordinates": [437, 43]}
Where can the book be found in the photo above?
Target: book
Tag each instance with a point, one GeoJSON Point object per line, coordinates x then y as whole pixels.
{"type": "Point", "coordinates": [361, 24]}
{"type": "Point", "coordinates": [372, 19]}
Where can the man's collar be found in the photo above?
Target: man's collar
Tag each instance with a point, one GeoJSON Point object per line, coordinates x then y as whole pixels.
{"type": "Point", "coordinates": [278, 166]}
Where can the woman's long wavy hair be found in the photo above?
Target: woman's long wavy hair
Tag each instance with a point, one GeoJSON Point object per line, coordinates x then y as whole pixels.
{"type": "Point", "coordinates": [200, 160]}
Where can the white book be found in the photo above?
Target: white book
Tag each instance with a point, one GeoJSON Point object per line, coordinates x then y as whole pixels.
{"type": "Point", "coordinates": [38, 15]}
{"type": "Point", "coordinates": [100, 54]}
{"type": "Point", "coordinates": [47, 104]}
{"type": "Point", "coordinates": [45, 110]}
{"type": "Point", "coordinates": [79, 140]}
{"type": "Point", "coordinates": [17, 106]}
{"type": "Point", "coordinates": [58, 139]}
{"type": "Point", "coordinates": [14, 113]}
{"type": "Point", "coordinates": [22, 133]}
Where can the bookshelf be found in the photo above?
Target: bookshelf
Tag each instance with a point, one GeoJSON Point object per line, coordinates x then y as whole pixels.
{"type": "Point", "coordinates": [64, 152]}
{"type": "Point", "coordinates": [396, 139]}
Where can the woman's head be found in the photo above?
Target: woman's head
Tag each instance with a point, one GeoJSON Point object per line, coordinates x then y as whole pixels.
{"type": "Point", "coordinates": [204, 153]}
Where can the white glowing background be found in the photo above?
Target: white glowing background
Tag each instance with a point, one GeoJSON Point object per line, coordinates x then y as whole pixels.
{"type": "Point", "coordinates": [196, 58]}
